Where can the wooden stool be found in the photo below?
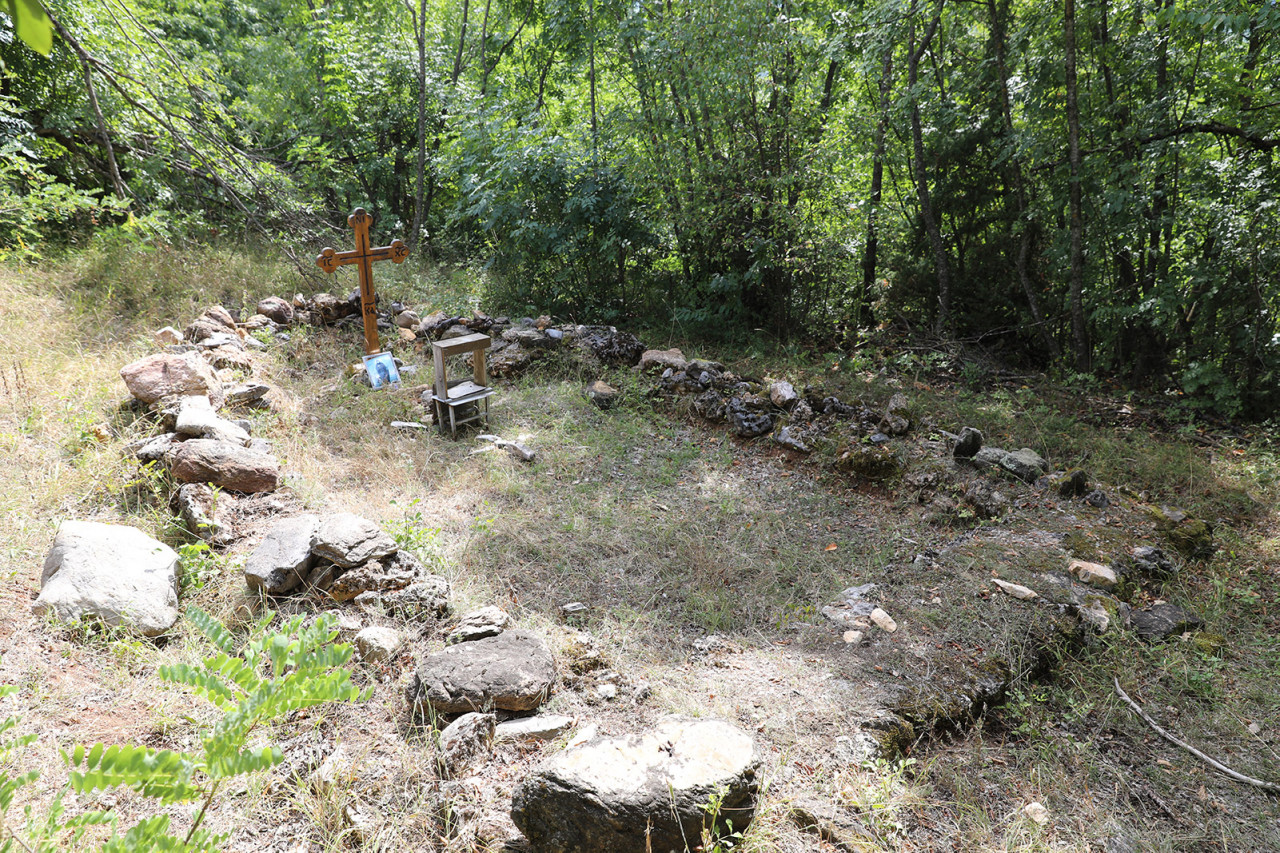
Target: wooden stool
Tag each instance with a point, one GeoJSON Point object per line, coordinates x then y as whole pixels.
{"type": "Point", "coordinates": [474, 390]}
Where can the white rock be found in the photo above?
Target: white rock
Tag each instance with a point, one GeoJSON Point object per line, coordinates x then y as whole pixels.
{"type": "Point", "coordinates": [1094, 574]}
{"type": "Point", "coordinates": [883, 621]}
{"type": "Point", "coordinates": [541, 727]}
{"type": "Point", "coordinates": [116, 573]}
{"type": "Point", "coordinates": [378, 644]}
{"type": "Point", "coordinates": [853, 637]}
{"type": "Point", "coordinates": [1036, 812]}
{"type": "Point", "coordinates": [168, 336]}
{"type": "Point", "coordinates": [1016, 590]}
{"type": "Point", "coordinates": [196, 417]}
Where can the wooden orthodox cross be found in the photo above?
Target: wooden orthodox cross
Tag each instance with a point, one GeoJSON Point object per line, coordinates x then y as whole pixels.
{"type": "Point", "coordinates": [329, 261]}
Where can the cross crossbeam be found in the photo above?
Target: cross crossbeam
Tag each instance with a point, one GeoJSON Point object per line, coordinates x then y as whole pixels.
{"type": "Point", "coordinates": [364, 257]}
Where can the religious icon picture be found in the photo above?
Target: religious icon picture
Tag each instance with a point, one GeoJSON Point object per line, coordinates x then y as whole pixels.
{"type": "Point", "coordinates": [381, 368]}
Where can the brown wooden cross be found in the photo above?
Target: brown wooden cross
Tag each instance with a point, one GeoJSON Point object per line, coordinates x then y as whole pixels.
{"type": "Point", "coordinates": [329, 261]}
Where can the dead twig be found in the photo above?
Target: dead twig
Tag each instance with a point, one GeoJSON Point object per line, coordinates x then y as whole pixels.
{"type": "Point", "coordinates": [1269, 787]}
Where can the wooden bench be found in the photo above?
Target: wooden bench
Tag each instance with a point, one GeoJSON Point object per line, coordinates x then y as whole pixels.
{"type": "Point", "coordinates": [475, 390]}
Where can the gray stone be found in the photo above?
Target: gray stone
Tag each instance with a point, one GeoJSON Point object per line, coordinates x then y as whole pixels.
{"type": "Point", "coordinates": [1025, 464]}
{"type": "Point", "coordinates": [153, 449]}
{"type": "Point", "coordinates": [206, 512]}
{"type": "Point", "coordinates": [196, 418]}
{"type": "Point", "coordinates": [783, 394]}
{"type": "Point", "coordinates": [1161, 621]}
{"type": "Point", "coordinates": [466, 742]}
{"type": "Point", "coordinates": [513, 671]}
{"type": "Point", "coordinates": [1153, 563]}
{"type": "Point", "coordinates": [350, 540]}
{"type": "Point", "coordinates": [166, 374]}
{"type": "Point", "coordinates": [247, 394]}
{"type": "Point", "coordinates": [640, 793]}
{"type": "Point", "coordinates": [602, 394]}
{"type": "Point", "coordinates": [426, 597]}
{"type": "Point", "coordinates": [968, 443]}
{"type": "Point", "coordinates": [540, 727]}
{"type": "Point", "coordinates": [167, 336]}
{"type": "Point", "coordinates": [990, 456]}
{"type": "Point", "coordinates": [379, 644]}
{"type": "Point", "coordinates": [747, 423]}
{"type": "Point", "coordinates": [223, 464]}
{"type": "Point", "coordinates": [112, 572]}
{"type": "Point", "coordinates": [277, 309]}
{"type": "Point", "coordinates": [787, 439]}
{"type": "Point", "coordinates": [408, 320]}
{"type": "Point", "coordinates": [830, 823]}
{"type": "Point", "coordinates": [388, 574]}
{"type": "Point", "coordinates": [486, 622]}
{"type": "Point", "coordinates": [283, 557]}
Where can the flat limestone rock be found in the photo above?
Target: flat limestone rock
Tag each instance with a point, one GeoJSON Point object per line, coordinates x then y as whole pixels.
{"type": "Point", "coordinates": [223, 464]}
{"type": "Point", "coordinates": [350, 540]}
{"type": "Point", "coordinates": [513, 671]}
{"type": "Point", "coordinates": [1161, 621]}
{"type": "Point", "coordinates": [390, 573]}
{"type": "Point", "coordinates": [283, 557]}
{"type": "Point", "coordinates": [661, 359]}
{"type": "Point", "coordinates": [639, 793]}
{"type": "Point", "coordinates": [196, 418]}
{"type": "Point", "coordinates": [478, 624]}
{"type": "Point", "coordinates": [540, 727]}
{"type": "Point", "coordinates": [114, 572]}
{"type": "Point", "coordinates": [167, 374]}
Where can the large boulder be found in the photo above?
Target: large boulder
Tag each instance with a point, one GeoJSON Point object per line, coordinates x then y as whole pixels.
{"type": "Point", "coordinates": [513, 671]}
{"type": "Point", "coordinates": [167, 374]}
{"type": "Point", "coordinates": [640, 793]}
{"type": "Point", "coordinates": [283, 557]}
{"type": "Point", "coordinates": [223, 464]}
{"type": "Point", "coordinates": [113, 572]}
{"type": "Point", "coordinates": [349, 540]}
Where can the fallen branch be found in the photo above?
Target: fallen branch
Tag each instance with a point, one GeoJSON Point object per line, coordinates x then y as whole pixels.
{"type": "Point", "coordinates": [1270, 787]}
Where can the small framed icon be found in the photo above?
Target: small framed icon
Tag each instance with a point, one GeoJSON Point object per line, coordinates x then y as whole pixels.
{"type": "Point", "coordinates": [381, 369]}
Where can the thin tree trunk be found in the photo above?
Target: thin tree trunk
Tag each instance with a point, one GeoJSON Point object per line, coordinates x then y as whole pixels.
{"type": "Point", "coordinates": [420, 167]}
{"type": "Point", "coordinates": [113, 169]}
{"type": "Point", "coordinates": [1079, 330]}
{"type": "Point", "coordinates": [914, 53]}
{"type": "Point", "coordinates": [1022, 258]}
{"type": "Point", "coordinates": [872, 249]}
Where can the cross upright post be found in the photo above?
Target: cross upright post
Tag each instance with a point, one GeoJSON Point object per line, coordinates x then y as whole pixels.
{"type": "Point", "coordinates": [364, 257]}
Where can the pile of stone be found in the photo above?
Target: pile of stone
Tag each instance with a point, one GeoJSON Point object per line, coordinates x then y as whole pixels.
{"type": "Point", "coordinates": [347, 558]}
{"type": "Point", "coordinates": [187, 388]}
{"type": "Point", "coordinates": [753, 408]}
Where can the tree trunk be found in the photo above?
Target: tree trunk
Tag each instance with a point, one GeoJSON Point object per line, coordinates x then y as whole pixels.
{"type": "Point", "coordinates": [419, 16]}
{"type": "Point", "coordinates": [943, 325]}
{"type": "Point", "coordinates": [870, 252]}
{"type": "Point", "coordinates": [1079, 330]}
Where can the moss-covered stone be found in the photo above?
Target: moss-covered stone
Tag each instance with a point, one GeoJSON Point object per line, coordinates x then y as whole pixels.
{"type": "Point", "coordinates": [1190, 537]}
{"type": "Point", "coordinates": [1208, 643]}
{"type": "Point", "coordinates": [871, 462]}
{"type": "Point", "coordinates": [1070, 484]}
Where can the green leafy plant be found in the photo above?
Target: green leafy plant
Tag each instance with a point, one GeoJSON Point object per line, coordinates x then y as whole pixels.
{"type": "Point", "coordinates": [273, 675]}
{"type": "Point", "coordinates": [718, 834]}
{"type": "Point", "coordinates": [199, 564]}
